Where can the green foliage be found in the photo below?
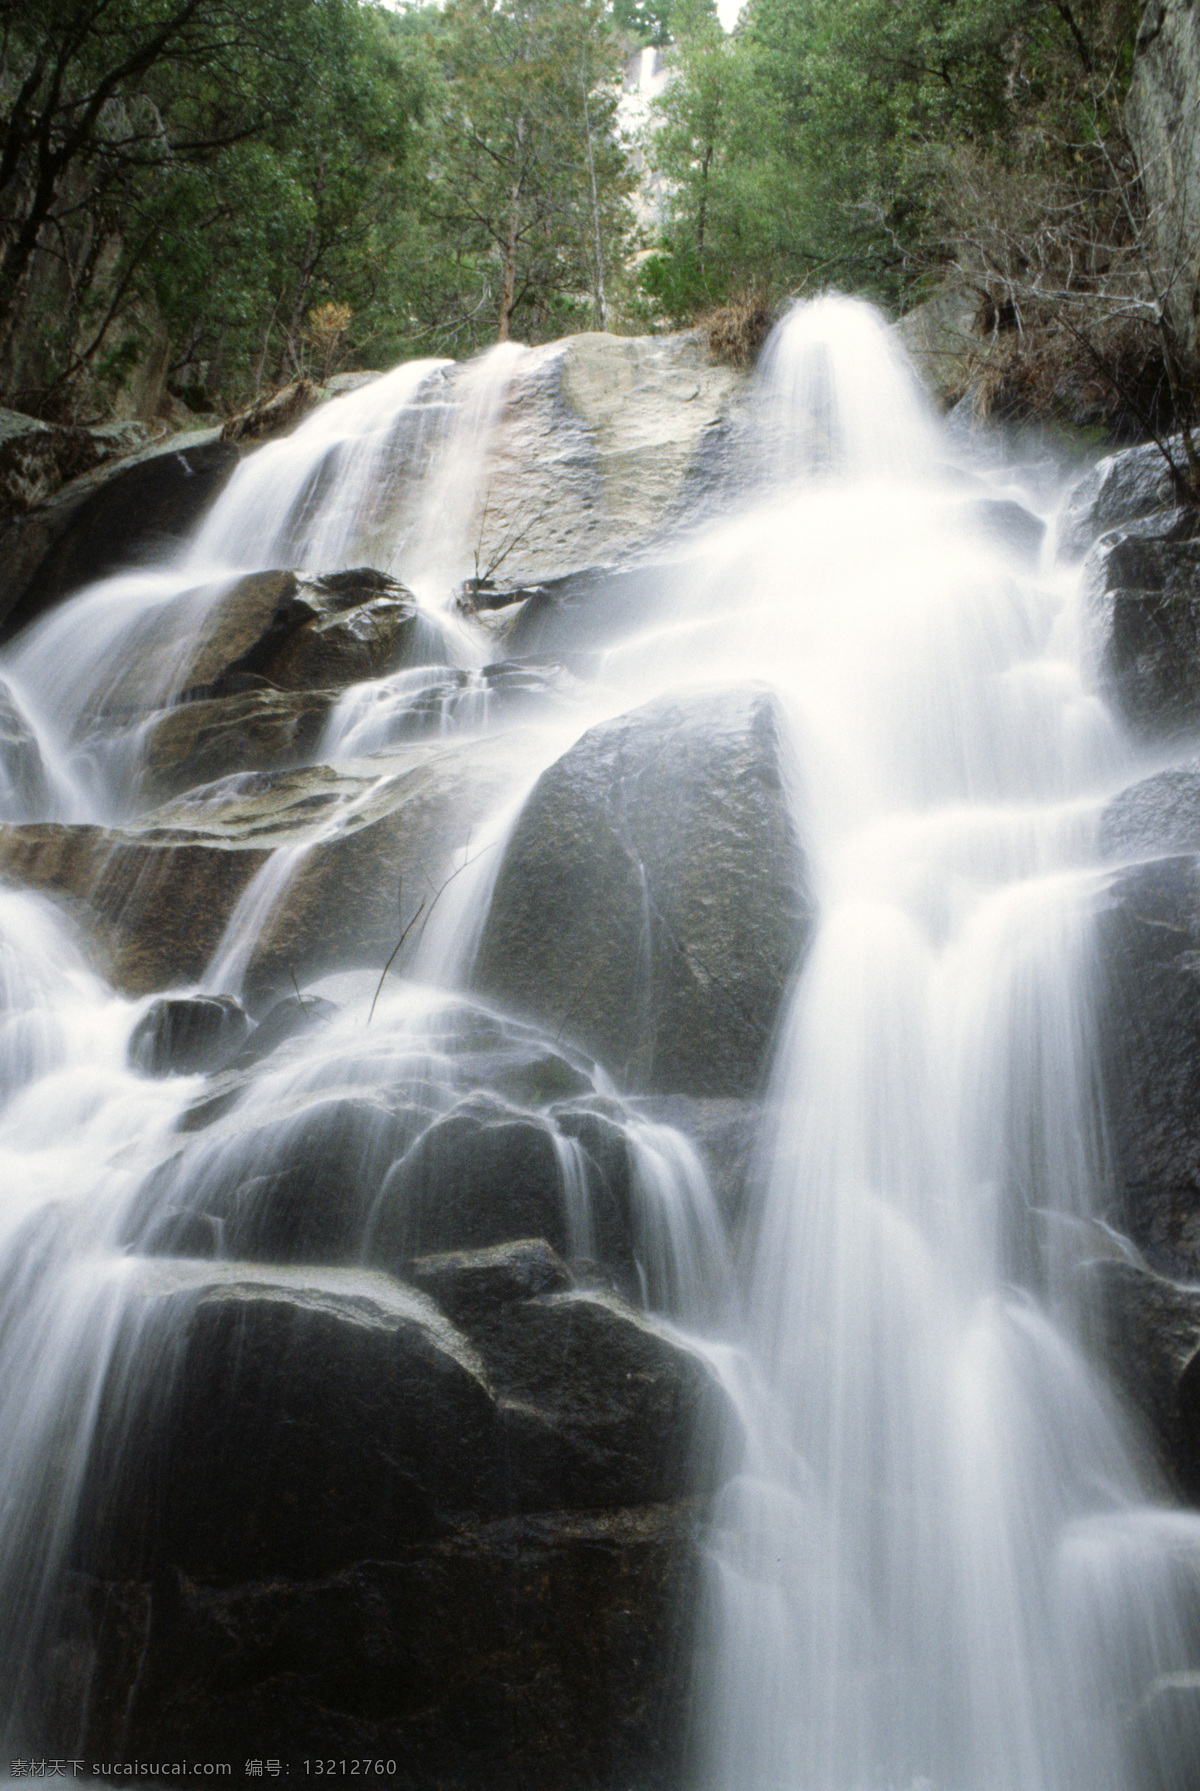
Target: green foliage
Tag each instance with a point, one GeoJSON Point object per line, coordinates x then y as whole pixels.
{"type": "Point", "coordinates": [811, 146]}
{"type": "Point", "coordinates": [528, 179]}
{"type": "Point", "coordinates": [225, 170]}
{"type": "Point", "coordinates": [648, 21]}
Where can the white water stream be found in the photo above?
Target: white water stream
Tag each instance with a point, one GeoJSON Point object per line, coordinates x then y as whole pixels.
{"type": "Point", "coordinates": [940, 1564]}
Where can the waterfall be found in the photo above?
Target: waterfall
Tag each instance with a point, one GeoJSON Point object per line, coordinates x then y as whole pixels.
{"type": "Point", "coordinates": [937, 1559]}
{"type": "Point", "coordinates": [920, 1577]}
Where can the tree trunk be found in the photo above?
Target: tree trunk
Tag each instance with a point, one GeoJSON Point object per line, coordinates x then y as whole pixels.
{"type": "Point", "coordinates": [508, 266]}
{"type": "Point", "coordinates": [601, 307]}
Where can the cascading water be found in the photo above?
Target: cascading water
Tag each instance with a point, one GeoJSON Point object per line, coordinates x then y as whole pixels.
{"type": "Point", "coordinates": [935, 1565]}
{"type": "Point", "coordinates": [920, 1578]}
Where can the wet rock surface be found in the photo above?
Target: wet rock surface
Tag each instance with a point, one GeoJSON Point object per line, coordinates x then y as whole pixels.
{"type": "Point", "coordinates": [726, 1132]}
{"type": "Point", "coordinates": [461, 1529]}
{"type": "Point", "coordinates": [1145, 595]}
{"type": "Point", "coordinates": [1157, 815]}
{"type": "Point", "coordinates": [24, 786]}
{"type": "Point", "coordinates": [185, 1035]}
{"type": "Point", "coordinates": [585, 610]}
{"type": "Point", "coordinates": [379, 1177]}
{"type": "Point", "coordinates": [160, 893]}
{"type": "Point", "coordinates": [543, 1649]}
{"type": "Point", "coordinates": [603, 447]}
{"type": "Point", "coordinates": [102, 521]}
{"type": "Point", "coordinates": [1148, 1337]}
{"type": "Point", "coordinates": [271, 630]}
{"type": "Point", "coordinates": [1120, 489]}
{"type": "Point", "coordinates": [1149, 1028]}
{"type": "Point", "coordinates": [652, 903]}
{"type": "Point", "coordinates": [250, 730]}
{"type": "Point", "coordinates": [157, 913]}
{"type": "Point", "coordinates": [299, 1421]}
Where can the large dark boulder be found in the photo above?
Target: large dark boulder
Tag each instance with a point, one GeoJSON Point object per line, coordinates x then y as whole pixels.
{"type": "Point", "coordinates": [1147, 1331]}
{"type": "Point", "coordinates": [180, 1035]}
{"type": "Point", "coordinates": [260, 1423]}
{"type": "Point", "coordinates": [1120, 489]}
{"type": "Point", "coordinates": [1144, 591]}
{"type": "Point", "coordinates": [107, 520]}
{"type": "Point", "coordinates": [257, 1421]}
{"type": "Point", "coordinates": [652, 904]}
{"type": "Point", "coordinates": [548, 1649]}
{"type": "Point", "coordinates": [1149, 1029]}
{"type": "Point", "coordinates": [1155, 816]}
{"type": "Point", "coordinates": [323, 1517]}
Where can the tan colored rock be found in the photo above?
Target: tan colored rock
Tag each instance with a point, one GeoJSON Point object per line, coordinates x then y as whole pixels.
{"type": "Point", "coordinates": [254, 730]}
{"type": "Point", "coordinates": [597, 450]}
{"type": "Point", "coordinates": [158, 896]}
{"type": "Point", "coordinates": [278, 627]}
{"type": "Point", "coordinates": [156, 913]}
{"type": "Point", "coordinates": [1162, 116]}
{"type": "Point", "coordinates": [346, 646]}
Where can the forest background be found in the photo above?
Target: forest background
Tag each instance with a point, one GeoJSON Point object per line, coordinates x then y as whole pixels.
{"type": "Point", "coordinates": [242, 192]}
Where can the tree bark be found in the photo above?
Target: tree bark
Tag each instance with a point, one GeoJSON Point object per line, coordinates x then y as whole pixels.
{"type": "Point", "coordinates": [508, 265]}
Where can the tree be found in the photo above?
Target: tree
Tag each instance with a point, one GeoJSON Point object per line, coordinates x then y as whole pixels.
{"type": "Point", "coordinates": [528, 176]}
{"type": "Point", "coordinates": [317, 210]}
{"type": "Point", "coordinates": [833, 136]}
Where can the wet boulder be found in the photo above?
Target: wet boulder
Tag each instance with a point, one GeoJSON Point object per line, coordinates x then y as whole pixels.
{"type": "Point", "coordinates": [725, 1132]}
{"type": "Point", "coordinates": [261, 1421]}
{"type": "Point", "coordinates": [1148, 950]}
{"type": "Point", "coordinates": [157, 896]}
{"type": "Point", "coordinates": [1144, 594]}
{"type": "Point", "coordinates": [485, 1173]}
{"type": "Point", "coordinates": [599, 1404]}
{"type": "Point", "coordinates": [652, 905]}
{"type": "Point", "coordinates": [104, 520]}
{"type": "Point", "coordinates": [297, 1189]}
{"type": "Point", "coordinates": [303, 632]}
{"type": "Point", "coordinates": [1147, 1332]}
{"type": "Point", "coordinates": [1010, 525]}
{"type": "Point", "coordinates": [351, 645]}
{"type": "Point", "coordinates": [291, 1424]}
{"type": "Point", "coordinates": [295, 1014]}
{"type": "Point", "coordinates": [257, 729]}
{"type": "Point", "coordinates": [631, 420]}
{"type": "Point", "coordinates": [583, 610]}
{"type": "Point", "coordinates": [271, 629]}
{"type": "Point", "coordinates": [473, 1284]}
{"type": "Point", "coordinates": [1120, 489]}
{"type": "Point", "coordinates": [180, 1035]}
{"type": "Point", "coordinates": [156, 912]}
{"type": "Point", "coordinates": [545, 1649]}
{"type": "Point", "coordinates": [1157, 815]}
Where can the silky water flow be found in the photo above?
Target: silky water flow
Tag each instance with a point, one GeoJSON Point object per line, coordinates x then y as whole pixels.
{"type": "Point", "coordinates": [939, 1564]}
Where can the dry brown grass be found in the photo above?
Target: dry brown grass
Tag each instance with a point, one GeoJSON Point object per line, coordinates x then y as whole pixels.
{"type": "Point", "coordinates": [273, 414]}
{"type": "Point", "coordinates": [735, 332]}
{"type": "Point", "coordinates": [1092, 370]}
